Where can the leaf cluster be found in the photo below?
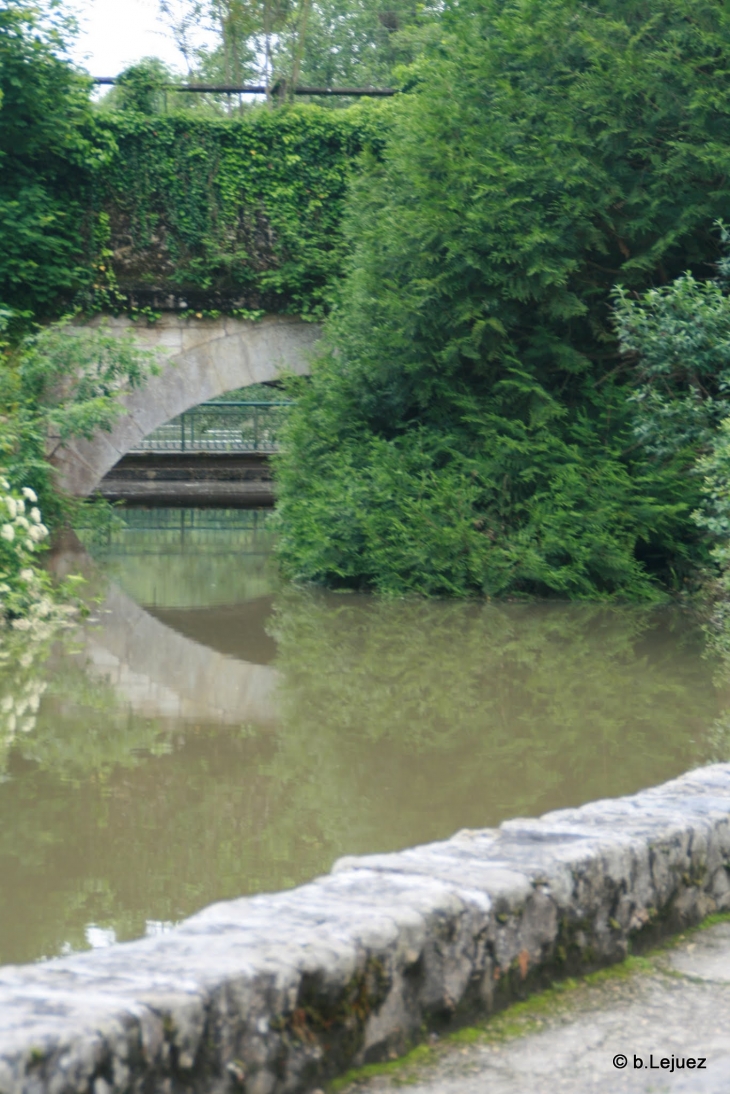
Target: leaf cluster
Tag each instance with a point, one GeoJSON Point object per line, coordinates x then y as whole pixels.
{"type": "Point", "coordinates": [141, 88]}
{"type": "Point", "coordinates": [677, 338]}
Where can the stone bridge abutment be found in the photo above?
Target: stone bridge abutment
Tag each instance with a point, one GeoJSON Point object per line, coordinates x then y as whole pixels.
{"type": "Point", "coordinates": [201, 359]}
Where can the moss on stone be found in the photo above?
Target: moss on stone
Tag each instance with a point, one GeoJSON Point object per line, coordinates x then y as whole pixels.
{"type": "Point", "coordinates": [524, 1016]}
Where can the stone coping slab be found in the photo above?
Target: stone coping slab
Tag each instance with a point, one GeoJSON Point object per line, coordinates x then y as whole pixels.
{"type": "Point", "coordinates": [273, 994]}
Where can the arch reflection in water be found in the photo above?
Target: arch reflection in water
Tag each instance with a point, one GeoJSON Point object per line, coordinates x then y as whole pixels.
{"type": "Point", "coordinates": [167, 770]}
{"type": "Point", "coordinates": [160, 673]}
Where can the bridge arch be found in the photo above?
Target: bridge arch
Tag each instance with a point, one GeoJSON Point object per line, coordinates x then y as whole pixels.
{"type": "Point", "coordinates": [201, 359]}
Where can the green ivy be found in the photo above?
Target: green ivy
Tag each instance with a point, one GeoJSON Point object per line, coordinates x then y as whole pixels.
{"type": "Point", "coordinates": [218, 214]}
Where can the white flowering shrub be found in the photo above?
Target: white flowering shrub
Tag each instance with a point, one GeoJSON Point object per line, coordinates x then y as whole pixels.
{"type": "Point", "coordinates": [29, 601]}
{"type": "Point", "coordinates": [24, 589]}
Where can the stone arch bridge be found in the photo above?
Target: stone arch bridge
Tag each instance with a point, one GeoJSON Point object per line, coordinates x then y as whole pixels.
{"type": "Point", "coordinates": [201, 359]}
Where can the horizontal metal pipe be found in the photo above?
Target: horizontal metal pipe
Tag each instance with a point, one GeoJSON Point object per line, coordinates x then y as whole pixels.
{"type": "Point", "coordinates": [259, 89]}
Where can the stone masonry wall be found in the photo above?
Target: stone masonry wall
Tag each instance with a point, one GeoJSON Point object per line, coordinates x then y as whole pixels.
{"type": "Point", "coordinates": [273, 994]}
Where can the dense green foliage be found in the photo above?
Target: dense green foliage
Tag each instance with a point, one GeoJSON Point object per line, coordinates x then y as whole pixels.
{"type": "Point", "coordinates": [46, 156]}
{"type": "Point", "coordinates": [679, 339]}
{"type": "Point", "coordinates": [231, 213]}
{"type": "Point", "coordinates": [470, 430]}
{"type": "Point", "coordinates": [60, 383]}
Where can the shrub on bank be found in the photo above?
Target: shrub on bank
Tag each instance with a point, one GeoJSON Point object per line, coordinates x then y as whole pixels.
{"type": "Point", "coordinates": [60, 383]}
{"type": "Point", "coordinates": [471, 427]}
{"type": "Point", "coordinates": [22, 532]}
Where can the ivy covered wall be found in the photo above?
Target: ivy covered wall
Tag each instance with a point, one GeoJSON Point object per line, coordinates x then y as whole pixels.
{"type": "Point", "coordinates": [241, 215]}
{"type": "Point", "coordinates": [126, 206]}
{"type": "Point", "coordinates": [188, 212]}
{"type": "Point", "coordinates": [219, 214]}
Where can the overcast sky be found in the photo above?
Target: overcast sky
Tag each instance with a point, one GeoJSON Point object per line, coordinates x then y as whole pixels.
{"type": "Point", "coordinates": [116, 33]}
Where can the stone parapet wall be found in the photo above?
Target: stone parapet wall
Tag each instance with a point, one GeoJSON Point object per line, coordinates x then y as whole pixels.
{"type": "Point", "coordinates": [274, 993]}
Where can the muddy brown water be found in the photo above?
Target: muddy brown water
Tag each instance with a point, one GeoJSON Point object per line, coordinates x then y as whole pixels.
{"type": "Point", "coordinates": [212, 732]}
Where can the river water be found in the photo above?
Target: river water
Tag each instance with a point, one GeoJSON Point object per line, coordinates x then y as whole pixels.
{"type": "Point", "coordinates": [211, 732]}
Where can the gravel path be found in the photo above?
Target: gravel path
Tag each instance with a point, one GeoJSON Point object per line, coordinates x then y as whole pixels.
{"type": "Point", "coordinates": [675, 1004]}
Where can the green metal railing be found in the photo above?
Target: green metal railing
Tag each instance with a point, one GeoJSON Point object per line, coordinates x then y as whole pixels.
{"type": "Point", "coordinates": [219, 427]}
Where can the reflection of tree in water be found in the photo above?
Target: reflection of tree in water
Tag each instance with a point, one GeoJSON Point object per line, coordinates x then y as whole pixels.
{"type": "Point", "coordinates": [153, 839]}
{"type": "Point", "coordinates": [23, 655]}
{"type": "Point", "coordinates": [54, 798]}
{"type": "Point", "coordinates": [111, 818]}
{"type": "Point", "coordinates": [82, 730]}
{"type": "Point", "coordinates": [435, 715]}
{"type": "Point", "coordinates": [399, 723]}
